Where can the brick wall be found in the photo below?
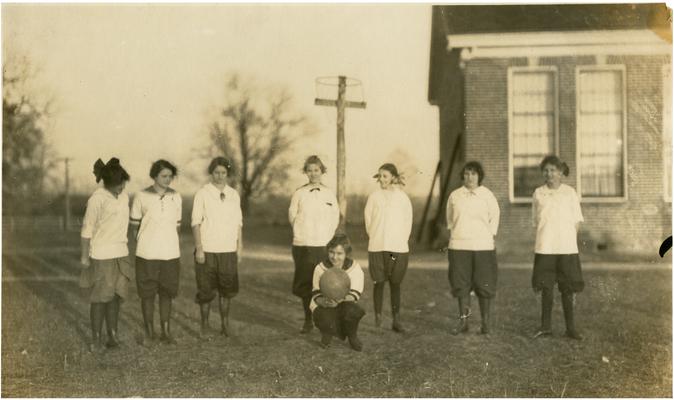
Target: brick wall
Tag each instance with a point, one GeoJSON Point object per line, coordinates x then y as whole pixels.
{"type": "Point", "coordinates": [637, 225]}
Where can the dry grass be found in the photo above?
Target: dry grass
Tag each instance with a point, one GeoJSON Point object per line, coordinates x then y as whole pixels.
{"type": "Point", "coordinates": [625, 316]}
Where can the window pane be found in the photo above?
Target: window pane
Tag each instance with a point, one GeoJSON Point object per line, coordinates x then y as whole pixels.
{"type": "Point", "coordinates": [532, 127]}
{"type": "Point", "coordinates": [600, 133]}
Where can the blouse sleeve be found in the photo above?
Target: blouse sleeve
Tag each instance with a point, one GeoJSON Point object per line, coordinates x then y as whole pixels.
{"type": "Point", "coordinates": [294, 207]}
{"type": "Point", "coordinates": [136, 210]}
{"type": "Point", "coordinates": [407, 214]}
{"type": "Point", "coordinates": [577, 213]}
{"type": "Point", "coordinates": [534, 210]}
{"type": "Point", "coordinates": [494, 214]}
{"type": "Point", "coordinates": [450, 213]}
{"type": "Point", "coordinates": [198, 209]}
{"type": "Point", "coordinates": [90, 218]}
{"type": "Point", "coordinates": [179, 209]}
{"type": "Point", "coordinates": [239, 213]}
{"type": "Point", "coordinates": [368, 213]}
{"type": "Point", "coordinates": [315, 286]}
{"type": "Point", "coordinates": [357, 282]}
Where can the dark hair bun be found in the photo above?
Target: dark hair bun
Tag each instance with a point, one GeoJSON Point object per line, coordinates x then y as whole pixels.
{"type": "Point", "coordinates": [98, 169]}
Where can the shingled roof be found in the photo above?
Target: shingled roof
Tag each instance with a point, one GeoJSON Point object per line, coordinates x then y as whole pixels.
{"type": "Point", "coordinates": [475, 19]}
{"type": "Point", "coordinates": [542, 18]}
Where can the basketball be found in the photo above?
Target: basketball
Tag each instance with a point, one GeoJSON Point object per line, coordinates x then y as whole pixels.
{"type": "Point", "coordinates": [335, 284]}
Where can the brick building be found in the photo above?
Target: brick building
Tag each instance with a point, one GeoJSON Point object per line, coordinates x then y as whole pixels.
{"type": "Point", "coordinates": [590, 83]}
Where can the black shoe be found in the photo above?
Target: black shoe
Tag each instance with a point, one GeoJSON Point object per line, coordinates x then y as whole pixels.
{"type": "Point", "coordinates": [325, 340]}
{"type": "Point", "coordinates": [112, 342]}
{"type": "Point", "coordinates": [355, 343]}
{"type": "Point", "coordinates": [484, 329]}
{"type": "Point", "coordinates": [377, 320]}
{"type": "Point", "coordinates": [462, 326]}
{"type": "Point", "coordinates": [542, 333]}
{"type": "Point", "coordinates": [96, 346]}
{"type": "Point", "coordinates": [167, 339]}
{"type": "Point", "coordinates": [307, 327]}
{"type": "Point", "coordinates": [397, 326]}
{"type": "Point", "coordinates": [573, 335]}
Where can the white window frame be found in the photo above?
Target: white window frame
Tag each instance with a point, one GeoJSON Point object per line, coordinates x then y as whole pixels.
{"type": "Point", "coordinates": [606, 67]}
{"type": "Point", "coordinates": [511, 173]}
{"type": "Point", "coordinates": [666, 70]}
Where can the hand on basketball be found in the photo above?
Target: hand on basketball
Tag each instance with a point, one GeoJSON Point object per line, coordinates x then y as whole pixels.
{"type": "Point", "coordinates": [326, 302]}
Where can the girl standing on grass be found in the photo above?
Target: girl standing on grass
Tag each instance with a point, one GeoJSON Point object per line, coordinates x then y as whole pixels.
{"type": "Point", "coordinates": [106, 268]}
{"type": "Point", "coordinates": [314, 216]}
{"type": "Point", "coordinates": [332, 317]}
{"type": "Point", "coordinates": [155, 221]}
{"type": "Point", "coordinates": [388, 221]}
{"type": "Point", "coordinates": [557, 216]}
{"type": "Point", "coordinates": [472, 218]}
{"type": "Point", "coordinates": [216, 225]}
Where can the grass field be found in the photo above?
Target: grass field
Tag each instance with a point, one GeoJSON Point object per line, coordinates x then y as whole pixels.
{"type": "Point", "coordinates": [625, 315]}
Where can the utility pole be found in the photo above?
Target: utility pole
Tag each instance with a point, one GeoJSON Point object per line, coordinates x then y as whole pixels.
{"type": "Point", "coordinates": [67, 194]}
{"type": "Point", "coordinates": [341, 105]}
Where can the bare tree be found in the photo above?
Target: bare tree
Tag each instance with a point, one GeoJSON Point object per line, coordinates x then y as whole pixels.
{"type": "Point", "coordinates": [26, 155]}
{"type": "Point", "coordinates": [256, 127]}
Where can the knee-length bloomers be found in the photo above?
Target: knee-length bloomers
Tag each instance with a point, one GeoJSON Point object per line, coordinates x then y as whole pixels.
{"type": "Point", "coordinates": [105, 224]}
{"type": "Point", "coordinates": [218, 213]}
{"type": "Point", "coordinates": [473, 219]}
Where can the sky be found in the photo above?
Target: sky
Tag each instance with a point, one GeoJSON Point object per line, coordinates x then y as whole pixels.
{"type": "Point", "coordinates": [140, 82]}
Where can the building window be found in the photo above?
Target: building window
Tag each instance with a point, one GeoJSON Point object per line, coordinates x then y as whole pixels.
{"type": "Point", "coordinates": [532, 104]}
{"type": "Point", "coordinates": [667, 129]}
{"type": "Point", "coordinates": [600, 99]}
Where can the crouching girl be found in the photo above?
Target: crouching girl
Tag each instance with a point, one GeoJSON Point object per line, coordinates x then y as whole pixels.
{"type": "Point", "coordinates": [339, 317]}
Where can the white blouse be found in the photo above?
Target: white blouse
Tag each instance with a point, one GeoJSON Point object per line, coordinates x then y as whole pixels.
{"type": "Point", "coordinates": [556, 213]}
{"type": "Point", "coordinates": [472, 218]}
{"type": "Point", "coordinates": [219, 217]}
{"type": "Point", "coordinates": [314, 215]}
{"type": "Point", "coordinates": [388, 220]}
{"type": "Point", "coordinates": [159, 217]}
{"type": "Point", "coordinates": [106, 223]}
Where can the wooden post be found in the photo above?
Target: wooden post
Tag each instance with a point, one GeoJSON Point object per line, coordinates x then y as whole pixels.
{"type": "Point", "coordinates": [66, 223]}
{"type": "Point", "coordinates": [341, 105]}
{"type": "Point", "coordinates": [341, 155]}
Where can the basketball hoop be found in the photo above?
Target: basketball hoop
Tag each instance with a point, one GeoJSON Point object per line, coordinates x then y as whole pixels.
{"type": "Point", "coordinates": [324, 87]}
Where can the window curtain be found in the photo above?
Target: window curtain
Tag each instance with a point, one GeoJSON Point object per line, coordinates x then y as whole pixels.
{"type": "Point", "coordinates": [600, 127]}
{"type": "Point", "coordinates": [532, 127]}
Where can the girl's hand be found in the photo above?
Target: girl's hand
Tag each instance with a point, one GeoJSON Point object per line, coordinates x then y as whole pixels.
{"type": "Point", "coordinates": [326, 302]}
{"type": "Point", "coordinates": [85, 261]}
{"type": "Point", "coordinates": [349, 298]}
{"type": "Point", "coordinates": [199, 256]}
{"type": "Point", "coordinates": [330, 303]}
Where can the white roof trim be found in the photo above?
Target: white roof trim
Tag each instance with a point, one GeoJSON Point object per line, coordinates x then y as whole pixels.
{"type": "Point", "coordinates": [541, 44]}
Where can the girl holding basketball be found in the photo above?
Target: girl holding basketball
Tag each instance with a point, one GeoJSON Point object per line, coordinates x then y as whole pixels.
{"type": "Point", "coordinates": [334, 301]}
{"type": "Point", "coordinates": [388, 221]}
{"type": "Point", "coordinates": [472, 218]}
{"type": "Point", "coordinates": [104, 257]}
{"type": "Point", "coordinates": [155, 222]}
{"type": "Point", "coordinates": [216, 225]}
{"type": "Point", "coordinates": [314, 216]}
{"type": "Point", "coordinates": [557, 216]}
